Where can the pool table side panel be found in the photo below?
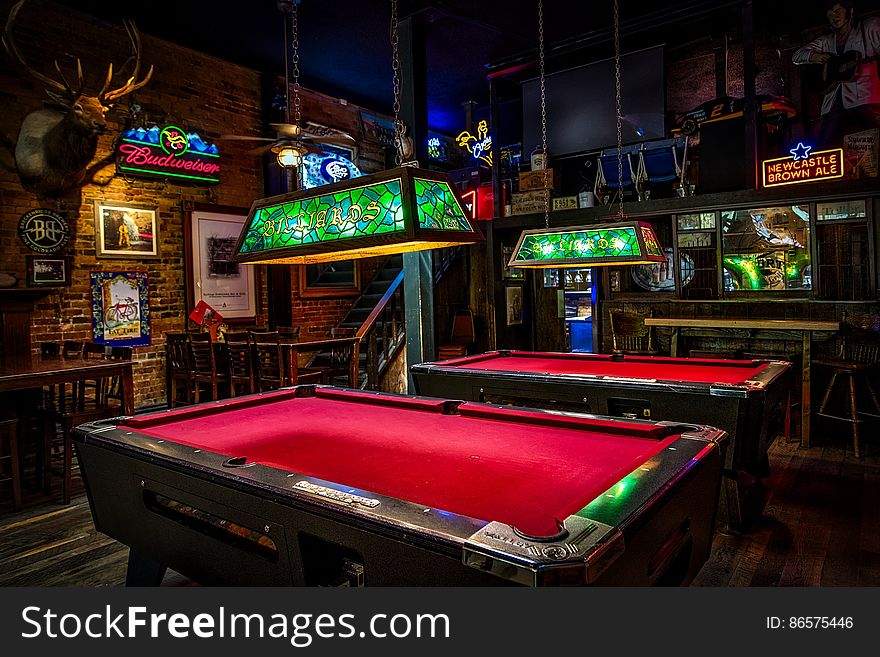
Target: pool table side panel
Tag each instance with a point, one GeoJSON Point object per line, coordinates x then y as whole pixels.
{"type": "Point", "coordinates": [124, 516]}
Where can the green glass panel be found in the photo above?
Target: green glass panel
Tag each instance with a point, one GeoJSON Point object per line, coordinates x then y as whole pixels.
{"type": "Point", "coordinates": [582, 244]}
{"type": "Point", "coordinates": [368, 210]}
{"type": "Point", "coordinates": [438, 206]}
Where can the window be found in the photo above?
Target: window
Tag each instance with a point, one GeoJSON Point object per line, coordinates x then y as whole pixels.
{"type": "Point", "coordinates": [766, 249]}
{"type": "Point", "coordinates": [330, 279]}
{"type": "Point", "coordinates": [843, 250]}
{"type": "Point", "coordinates": [698, 259]}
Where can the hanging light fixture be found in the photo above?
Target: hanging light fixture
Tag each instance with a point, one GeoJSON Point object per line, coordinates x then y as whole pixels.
{"type": "Point", "coordinates": [622, 242]}
{"type": "Point", "coordinates": [396, 211]}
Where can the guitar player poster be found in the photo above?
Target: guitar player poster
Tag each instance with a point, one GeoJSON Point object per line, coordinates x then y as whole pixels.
{"type": "Point", "coordinates": [842, 65]}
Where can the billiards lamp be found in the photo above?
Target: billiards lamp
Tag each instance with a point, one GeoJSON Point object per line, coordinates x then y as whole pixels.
{"type": "Point", "coordinates": [396, 211]}
{"type": "Point", "coordinates": [623, 242]}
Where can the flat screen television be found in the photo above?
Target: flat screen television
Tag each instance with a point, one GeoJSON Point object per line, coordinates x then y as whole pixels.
{"type": "Point", "coordinates": [581, 114]}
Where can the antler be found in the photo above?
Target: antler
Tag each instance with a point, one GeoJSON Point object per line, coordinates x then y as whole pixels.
{"type": "Point", "coordinates": [131, 84]}
{"type": "Point", "coordinates": [60, 89]}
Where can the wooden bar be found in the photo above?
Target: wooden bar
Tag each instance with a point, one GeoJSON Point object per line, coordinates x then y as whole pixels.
{"type": "Point", "coordinates": [805, 327]}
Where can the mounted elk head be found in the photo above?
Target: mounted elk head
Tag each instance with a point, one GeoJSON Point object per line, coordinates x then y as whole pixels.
{"type": "Point", "coordinates": [55, 145]}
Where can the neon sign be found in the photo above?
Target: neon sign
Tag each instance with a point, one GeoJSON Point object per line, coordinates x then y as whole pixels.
{"type": "Point", "coordinates": [480, 146]}
{"type": "Point", "coordinates": [436, 149]}
{"type": "Point", "coordinates": [804, 165]}
{"type": "Point", "coordinates": [318, 170]}
{"type": "Point", "coordinates": [168, 152]}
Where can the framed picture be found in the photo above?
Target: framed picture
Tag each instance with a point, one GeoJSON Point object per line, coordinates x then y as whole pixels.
{"type": "Point", "coordinates": [120, 308]}
{"type": "Point", "coordinates": [510, 273]}
{"type": "Point", "coordinates": [48, 271]}
{"type": "Point", "coordinates": [514, 298]}
{"type": "Point", "coordinates": [124, 230]}
{"type": "Point", "coordinates": [211, 233]}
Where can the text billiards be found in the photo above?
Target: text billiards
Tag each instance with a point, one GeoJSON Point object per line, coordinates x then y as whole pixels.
{"type": "Point", "coordinates": [312, 485]}
{"type": "Point", "coordinates": [738, 396]}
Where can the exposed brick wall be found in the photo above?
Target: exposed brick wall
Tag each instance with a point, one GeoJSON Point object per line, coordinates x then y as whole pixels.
{"type": "Point", "coordinates": [189, 89]}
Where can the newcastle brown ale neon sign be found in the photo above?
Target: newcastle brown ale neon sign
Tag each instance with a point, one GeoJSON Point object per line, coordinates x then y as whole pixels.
{"type": "Point", "coordinates": [168, 152]}
{"type": "Point", "coordinates": [803, 166]}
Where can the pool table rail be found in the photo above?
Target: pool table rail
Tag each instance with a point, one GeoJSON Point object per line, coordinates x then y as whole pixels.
{"type": "Point", "coordinates": [129, 471]}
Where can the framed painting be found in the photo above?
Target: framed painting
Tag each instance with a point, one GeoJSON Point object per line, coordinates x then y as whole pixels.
{"type": "Point", "coordinates": [120, 308]}
{"type": "Point", "coordinates": [510, 273]}
{"type": "Point", "coordinates": [514, 301]}
{"type": "Point", "coordinates": [211, 233]}
{"type": "Point", "coordinates": [48, 271]}
{"type": "Point", "coordinates": [125, 230]}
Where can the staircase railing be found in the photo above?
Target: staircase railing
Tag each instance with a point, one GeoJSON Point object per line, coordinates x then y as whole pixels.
{"type": "Point", "coordinates": [384, 324]}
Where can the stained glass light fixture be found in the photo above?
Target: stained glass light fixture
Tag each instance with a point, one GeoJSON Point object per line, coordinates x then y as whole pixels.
{"type": "Point", "coordinates": [623, 242]}
{"type": "Point", "coordinates": [395, 211]}
{"type": "Point", "coordinates": [620, 243]}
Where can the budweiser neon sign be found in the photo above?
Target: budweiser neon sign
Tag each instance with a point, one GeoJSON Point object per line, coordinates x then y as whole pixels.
{"type": "Point", "coordinates": [168, 152]}
{"type": "Point", "coordinates": [803, 166]}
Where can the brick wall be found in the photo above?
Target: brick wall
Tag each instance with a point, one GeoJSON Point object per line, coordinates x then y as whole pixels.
{"type": "Point", "coordinates": [188, 89]}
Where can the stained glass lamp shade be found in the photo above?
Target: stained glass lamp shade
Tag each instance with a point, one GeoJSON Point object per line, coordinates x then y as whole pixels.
{"type": "Point", "coordinates": [621, 243]}
{"type": "Point", "coordinates": [395, 211]}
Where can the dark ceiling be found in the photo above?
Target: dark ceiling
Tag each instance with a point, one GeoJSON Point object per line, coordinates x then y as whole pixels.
{"type": "Point", "coordinates": [345, 46]}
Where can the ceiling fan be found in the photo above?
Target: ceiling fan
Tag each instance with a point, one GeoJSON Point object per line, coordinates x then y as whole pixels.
{"type": "Point", "coordinates": [292, 142]}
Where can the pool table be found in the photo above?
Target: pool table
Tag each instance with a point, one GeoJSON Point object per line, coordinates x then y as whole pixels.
{"type": "Point", "coordinates": [316, 485]}
{"type": "Point", "coordinates": [738, 396]}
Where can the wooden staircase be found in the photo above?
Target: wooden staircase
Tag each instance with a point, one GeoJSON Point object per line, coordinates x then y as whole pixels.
{"type": "Point", "coordinates": [377, 318]}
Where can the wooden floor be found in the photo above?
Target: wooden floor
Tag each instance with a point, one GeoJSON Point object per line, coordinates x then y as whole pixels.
{"type": "Point", "coordinates": [820, 527]}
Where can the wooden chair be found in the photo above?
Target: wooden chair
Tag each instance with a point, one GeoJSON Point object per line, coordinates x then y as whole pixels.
{"type": "Point", "coordinates": [341, 358]}
{"type": "Point", "coordinates": [856, 364]}
{"type": "Point", "coordinates": [239, 357]}
{"type": "Point", "coordinates": [290, 333]}
{"type": "Point", "coordinates": [205, 370]}
{"type": "Point", "coordinates": [461, 337]}
{"type": "Point", "coordinates": [629, 335]}
{"type": "Point", "coordinates": [50, 350]}
{"type": "Point", "coordinates": [275, 363]}
{"type": "Point", "coordinates": [72, 405]}
{"type": "Point", "coordinates": [178, 369]}
{"type": "Point", "coordinates": [9, 454]}
{"type": "Point", "coordinates": [72, 349]}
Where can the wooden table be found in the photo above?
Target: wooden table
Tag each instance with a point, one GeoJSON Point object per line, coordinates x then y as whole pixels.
{"type": "Point", "coordinates": [327, 344]}
{"type": "Point", "coordinates": [53, 371]}
{"type": "Point", "coordinates": [805, 328]}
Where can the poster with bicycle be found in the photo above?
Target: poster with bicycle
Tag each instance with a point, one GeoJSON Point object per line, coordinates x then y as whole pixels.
{"type": "Point", "coordinates": [120, 308]}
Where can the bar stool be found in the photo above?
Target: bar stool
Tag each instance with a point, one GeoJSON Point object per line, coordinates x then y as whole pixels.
{"type": "Point", "coordinates": [9, 453]}
{"type": "Point", "coordinates": [853, 371]}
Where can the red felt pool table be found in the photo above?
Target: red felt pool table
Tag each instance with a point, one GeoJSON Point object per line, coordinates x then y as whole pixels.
{"type": "Point", "coordinates": [738, 396]}
{"type": "Point", "coordinates": [315, 485]}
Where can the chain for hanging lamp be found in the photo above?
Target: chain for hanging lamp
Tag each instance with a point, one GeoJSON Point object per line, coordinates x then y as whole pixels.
{"type": "Point", "coordinates": [620, 213]}
{"type": "Point", "coordinates": [624, 242]}
{"type": "Point", "coordinates": [543, 112]}
{"type": "Point", "coordinates": [399, 127]}
{"type": "Point", "coordinates": [399, 210]}
{"type": "Point", "coordinates": [297, 102]}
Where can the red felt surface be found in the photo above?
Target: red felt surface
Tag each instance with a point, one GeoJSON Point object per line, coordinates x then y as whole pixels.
{"type": "Point", "coordinates": [524, 474]}
{"type": "Point", "coordinates": [696, 370]}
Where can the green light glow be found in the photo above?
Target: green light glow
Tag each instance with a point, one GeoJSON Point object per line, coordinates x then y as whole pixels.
{"type": "Point", "coordinates": [363, 211]}
{"type": "Point", "coordinates": [438, 207]}
{"type": "Point", "coordinates": [583, 244]}
{"type": "Point", "coordinates": [615, 497]}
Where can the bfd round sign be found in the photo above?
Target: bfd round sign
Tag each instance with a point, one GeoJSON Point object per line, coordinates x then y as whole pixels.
{"type": "Point", "coordinates": [43, 230]}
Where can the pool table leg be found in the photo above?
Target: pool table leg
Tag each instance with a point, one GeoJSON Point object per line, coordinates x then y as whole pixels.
{"type": "Point", "coordinates": [143, 571]}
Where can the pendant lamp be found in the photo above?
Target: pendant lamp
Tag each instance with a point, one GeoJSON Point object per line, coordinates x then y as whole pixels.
{"type": "Point", "coordinates": [623, 242]}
